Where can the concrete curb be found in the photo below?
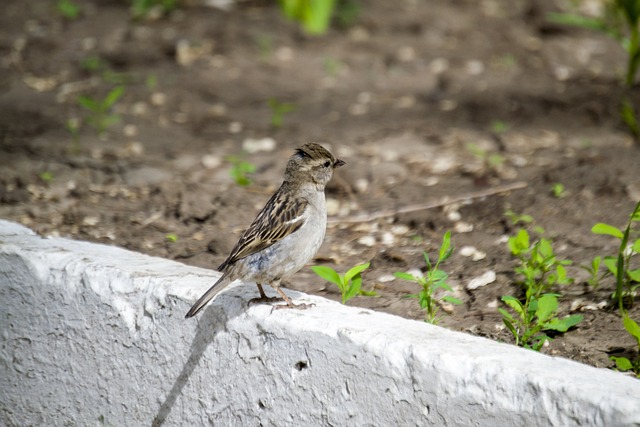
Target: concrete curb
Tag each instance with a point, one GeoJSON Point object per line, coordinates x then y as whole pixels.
{"type": "Point", "coordinates": [96, 335]}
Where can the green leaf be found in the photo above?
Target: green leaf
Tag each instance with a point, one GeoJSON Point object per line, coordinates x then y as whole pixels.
{"type": "Point", "coordinates": [405, 276]}
{"type": "Point", "coordinates": [515, 304]}
{"type": "Point", "coordinates": [353, 289]}
{"type": "Point", "coordinates": [355, 271]}
{"type": "Point", "coordinates": [634, 275]}
{"type": "Point", "coordinates": [112, 97]}
{"type": "Point", "coordinates": [622, 363]}
{"type": "Point", "coordinates": [563, 325]}
{"type": "Point", "coordinates": [445, 248]}
{"type": "Point", "coordinates": [612, 264]}
{"type": "Point", "coordinates": [371, 293]}
{"type": "Point", "coordinates": [606, 229]}
{"type": "Point", "coordinates": [547, 307]}
{"type": "Point", "coordinates": [578, 21]}
{"type": "Point", "coordinates": [632, 327]}
{"type": "Point", "coordinates": [636, 246]}
{"type": "Point", "coordinates": [327, 273]}
{"type": "Point", "coordinates": [88, 103]}
{"type": "Point", "coordinates": [451, 300]}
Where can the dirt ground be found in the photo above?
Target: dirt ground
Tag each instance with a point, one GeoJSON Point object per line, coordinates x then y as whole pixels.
{"type": "Point", "coordinates": [404, 95]}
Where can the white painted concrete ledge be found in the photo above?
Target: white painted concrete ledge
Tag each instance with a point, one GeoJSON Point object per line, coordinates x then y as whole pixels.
{"type": "Point", "coordinates": [95, 335]}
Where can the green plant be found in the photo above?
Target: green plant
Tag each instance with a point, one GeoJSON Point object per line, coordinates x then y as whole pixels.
{"type": "Point", "coordinates": [491, 161]}
{"type": "Point", "coordinates": [349, 283]}
{"type": "Point", "coordinates": [518, 218]}
{"type": "Point", "coordinates": [622, 363]}
{"type": "Point", "coordinates": [68, 9]}
{"type": "Point", "coordinates": [46, 176]}
{"type": "Point", "coordinates": [594, 270]}
{"type": "Point", "coordinates": [313, 15]}
{"type": "Point", "coordinates": [171, 237]}
{"type": "Point", "coordinates": [627, 278]}
{"type": "Point", "coordinates": [498, 127]}
{"type": "Point", "coordinates": [621, 21]}
{"type": "Point", "coordinates": [541, 271]}
{"type": "Point", "coordinates": [433, 280]}
{"type": "Point", "coordinates": [101, 116]}
{"type": "Point", "coordinates": [240, 170]}
{"type": "Point", "coordinates": [558, 190]}
{"type": "Point", "coordinates": [143, 8]}
{"type": "Point", "coordinates": [278, 111]}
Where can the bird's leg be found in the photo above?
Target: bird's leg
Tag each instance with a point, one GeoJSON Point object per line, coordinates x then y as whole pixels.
{"type": "Point", "coordinates": [290, 303]}
{"type": "Point", "coordinates": [263, 296]}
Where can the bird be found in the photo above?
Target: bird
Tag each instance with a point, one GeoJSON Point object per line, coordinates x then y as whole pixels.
{"type": "Point", "coordinates": [286, 233]}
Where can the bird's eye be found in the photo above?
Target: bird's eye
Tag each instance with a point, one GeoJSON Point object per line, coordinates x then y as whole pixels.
{"type": "Point", "coordinates": [326, 164]}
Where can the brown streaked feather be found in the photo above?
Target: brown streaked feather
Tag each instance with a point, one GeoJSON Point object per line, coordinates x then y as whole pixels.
{"type": "Point", "coordinates": [263, 233]}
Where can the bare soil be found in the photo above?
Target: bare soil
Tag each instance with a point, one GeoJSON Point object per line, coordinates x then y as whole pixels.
{"type": "Point", "coordinates": [399, 95]}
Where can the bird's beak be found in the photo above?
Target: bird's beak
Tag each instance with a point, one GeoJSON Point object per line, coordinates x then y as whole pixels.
{"type": "Point", "coordinates": [338, 163]}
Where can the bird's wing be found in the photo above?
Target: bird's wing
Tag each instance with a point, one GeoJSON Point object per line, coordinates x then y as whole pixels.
{"type": "Point", "coordinates": [281, 216]}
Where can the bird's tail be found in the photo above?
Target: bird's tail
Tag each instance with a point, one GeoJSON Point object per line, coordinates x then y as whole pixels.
{"type": "Point", "coordinates": [208, 296]}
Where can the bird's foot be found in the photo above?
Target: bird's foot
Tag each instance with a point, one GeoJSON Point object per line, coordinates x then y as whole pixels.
{"type": "Point", "coordinates": [293, 306]}
{"type": "Point", "coordinates": [264, 299]}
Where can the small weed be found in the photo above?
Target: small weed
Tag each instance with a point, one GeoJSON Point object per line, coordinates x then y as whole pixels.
{"type": "Point", "coordinates": [491, 161]}
{"type": "Point", "coordinates": [240, 170]}
{"type": "Point", "coordinates": [313, 16]}
{"type": "Point", "coordinates": [499, 127]}
{"type": "Point", "coordinates": [46, 176]}
{"type": "Point", "coordinates": [518, 218]}
{"type": "Point", "coordinates": [101, 116]}
{"type": "Point", "coordinates": [541, 271]}
{"type": "Point", "coordinates": [594, 271]}
{"type": "Point", "coordinates": [171, 237]}
{"type": "Point", "coordinates": [68, 9]}
{"type": "Point", "coordinates": [622, 363]}
{"type": "Point", "coordinates": [433, 280]}
{"type": "Point", "coordinates": [332, 66]}
{"type": "Point", "coordinates": [349, 283]}
{"type": "Point", "coordinates": [151, 81]}
{"type": "Point", "coordinates": [627, 278]}
{"type": "Point", "coordinates": [278, 111]}
{"type": "Point", "coordinates": [558, 190]}
{"type": "Point", "coordinates": [141, 9]}
{"type": "Point", "coordinates": [265, 45]}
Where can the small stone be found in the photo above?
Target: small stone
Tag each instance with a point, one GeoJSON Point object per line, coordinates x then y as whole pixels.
{"type": "Point", "coordinates": [333, 207]}
{"type": "Point", "coordinates": [235, 127]}
{"type": "Point", "coordinates": [361, 185]}
{"type": "Point", "coordinates": [252, 146]}
{"type": "Point", "coordinates": [130, 130]}
{"type": "Point", "coordinates": [210, 161]}
{"type": "Point", "coordinates": [406, 54]}
{"type": "Point", "coordinates": [284, 54]}
{"type": "Point", "coordinates": [90, 220]}
{"type": "Point", "coordinates": [367, 241]}
{"type": "Point", "coordinates": [454, 216]}
{"type": "Point", "coordinates": [463, 227]}
{"type": "Point", "coordinates": [158, 99]}
{"type": "Point", "coordinates": [482, 280]}
{"type": "Point", "coordinates": [388, 239]}
{"type": "Point", "coordinates": [385, 278]}
{"type": "Point", "coordinates": [400, 230]}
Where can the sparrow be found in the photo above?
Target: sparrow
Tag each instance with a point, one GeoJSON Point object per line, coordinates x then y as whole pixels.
{"type": "Point", "coordinates": [287, 232]}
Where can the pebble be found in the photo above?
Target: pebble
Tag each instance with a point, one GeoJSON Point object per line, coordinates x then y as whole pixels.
{"type": "Point", "coordinates": [210, 161]}
{"type": "Point", "coordinates": [367, 240]}
{"type": "Point", "coordinates": [158, 99]}
{"type": "Point", "coordinates": [385, 278]}
{"type": "Point", "coordinates": [471, 251]}
{"type": "Point", "coordinates": [482, 280]}
{"type": "Point", "coordinates": [388, 239]}
{"type": "Point", "coordinates": [235, 127]}
{"type": "Point", "coordinates": [252, 146]}
{"type": "Point", "coordinates": [463, 227]}
{"type": "Point", "coordinates": [333, 207]}
{"type": "Point", "coordinates": [400, 230]}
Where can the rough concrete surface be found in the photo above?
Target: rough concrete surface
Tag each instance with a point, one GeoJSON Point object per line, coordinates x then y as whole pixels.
{"type": "Point", "coordinates": [96, 335]}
